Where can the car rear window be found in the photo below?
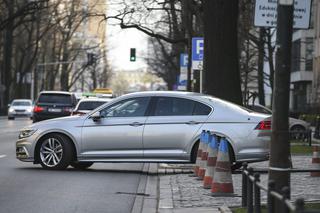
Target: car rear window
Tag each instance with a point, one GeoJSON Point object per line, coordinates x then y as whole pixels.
{"type": "Point", "coordinates": [90, 105]}
{"type": "Point", "coordinates": [55, 98]}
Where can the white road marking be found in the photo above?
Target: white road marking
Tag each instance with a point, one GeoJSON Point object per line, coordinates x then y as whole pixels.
{"type": "Point", "coordinates": [2, 156]}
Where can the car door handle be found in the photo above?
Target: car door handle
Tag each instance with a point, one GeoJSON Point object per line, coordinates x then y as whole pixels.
{"type": "Point", "coordinates": [136, 124]}
{"type": "Point", "coordinates": [192, 123]}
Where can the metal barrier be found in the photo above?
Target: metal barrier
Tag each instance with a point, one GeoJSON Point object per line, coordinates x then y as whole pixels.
{"type": "Point", "coordinates": [305, 136]}
{"type": "Point", "coordinates": [251, 193]}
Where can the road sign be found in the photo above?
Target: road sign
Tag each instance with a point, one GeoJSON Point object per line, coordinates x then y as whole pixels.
{"type": "Point", "coordinates": [183, 77]}
{"type": "Point", "coordinates": [197, 52]}
{"type": "Point", "coordinates": [266, 13]}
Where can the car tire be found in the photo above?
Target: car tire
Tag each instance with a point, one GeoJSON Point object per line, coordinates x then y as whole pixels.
{"type": "Point", "coordinates": [81, 165]}
{"type": "Point", "coordinates": [194, 151]}
{"type": "Point", "coordinates": [297, 132]}
{"type": "Point", "coordinates": [55, 152]}
{"type": "Point", "coordinates": [10, 118]}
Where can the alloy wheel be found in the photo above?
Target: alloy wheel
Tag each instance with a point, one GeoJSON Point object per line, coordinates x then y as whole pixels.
{"type": "Point", "coordinates": [51, 152]}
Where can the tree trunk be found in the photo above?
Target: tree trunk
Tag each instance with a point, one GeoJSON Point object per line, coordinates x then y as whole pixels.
{"type": "Point", "coordinates": [221, 61]}
{"type": "Point", "coordinates": [64, 77]}
{"type": "Point", "coordinates": [261, 93]}
{"type": "Point", "coordinates": [7, 56]}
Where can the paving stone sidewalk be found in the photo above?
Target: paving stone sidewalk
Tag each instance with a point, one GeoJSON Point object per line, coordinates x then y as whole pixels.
{"type": "Point", "coordinates": [181, 191]}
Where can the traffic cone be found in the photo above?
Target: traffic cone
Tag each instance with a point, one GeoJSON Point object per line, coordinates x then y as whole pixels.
{"type": "Point", "coordinates": [211, 162]}
{"type": "Point", "coordinates": [204, 156]}
{"type": "Point", "coordinates": [316, 161]}
{"type": "Point", "coordinates": [222, 179]}
{"type": "Point", "coordinates": [199, 153]}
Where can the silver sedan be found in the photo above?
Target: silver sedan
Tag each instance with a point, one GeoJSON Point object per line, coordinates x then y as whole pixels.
{"type": "Point", "coordinates": [145, 127]}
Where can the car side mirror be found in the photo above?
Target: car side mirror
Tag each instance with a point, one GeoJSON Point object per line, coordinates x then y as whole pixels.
{"type": "Point", "coordinates": [96, 116]}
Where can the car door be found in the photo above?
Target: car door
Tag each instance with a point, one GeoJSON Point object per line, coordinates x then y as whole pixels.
{"type": "Point", "coordinates": [118, 132]}
{"type": "Point", "coordinates": [172, 126]}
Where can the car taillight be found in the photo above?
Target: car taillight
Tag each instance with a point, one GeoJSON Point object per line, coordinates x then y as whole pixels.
{"type": "Point", "coordinates": [67, 109]}
{"type": "Point", "coordinates": [77, 113]}
{"type": "Point", "coordinates": [263, 125]}
{"type": "Point", "coordinates": [38, 109]}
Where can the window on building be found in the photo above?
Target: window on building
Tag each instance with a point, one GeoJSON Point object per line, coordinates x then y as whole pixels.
{"type": "Point", "coordinates": [309, 54]}
{"type": "Point", "coordinates": [296, 56]}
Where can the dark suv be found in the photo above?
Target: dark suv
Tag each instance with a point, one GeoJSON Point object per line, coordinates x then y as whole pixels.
{"type": "Point", "coordinates": [53, 104]}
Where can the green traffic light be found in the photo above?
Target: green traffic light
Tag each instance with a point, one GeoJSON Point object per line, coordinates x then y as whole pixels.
{"type": "Point", "coordinates": [133, 54]}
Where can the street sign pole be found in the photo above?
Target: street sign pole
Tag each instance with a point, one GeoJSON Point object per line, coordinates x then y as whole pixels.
{"type": "Point", "coordinates": [280, 162]}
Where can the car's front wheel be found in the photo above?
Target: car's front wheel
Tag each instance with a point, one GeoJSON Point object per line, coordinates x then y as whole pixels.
{"type": "Point", "coordinates": [55, 152]}
{"type": "Point", "coordinates": [81, 165]}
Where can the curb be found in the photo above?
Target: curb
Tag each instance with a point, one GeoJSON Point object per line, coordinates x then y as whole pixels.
{"type": "Point", "coordinates": [146, 200]}
{"type": "Point", "coordinates": [225, 209]}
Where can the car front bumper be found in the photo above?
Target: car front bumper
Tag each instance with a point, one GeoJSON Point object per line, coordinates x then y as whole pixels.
{"type": "Point", "coordinates": [25, 149]}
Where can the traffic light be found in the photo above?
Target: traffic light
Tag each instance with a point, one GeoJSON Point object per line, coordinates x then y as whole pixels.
{"type": "Point", "coordinates": [132, 54]}
{"type": "Point", "coordinates": [91, 58]}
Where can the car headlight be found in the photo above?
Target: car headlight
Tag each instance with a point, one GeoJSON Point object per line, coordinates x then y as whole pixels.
{"type": "Point", "coordinates": [11, 110]}
{"type": "Point", "coordinates": [29, 110]}
{"type": "Point", "coordinates": [26, 133]}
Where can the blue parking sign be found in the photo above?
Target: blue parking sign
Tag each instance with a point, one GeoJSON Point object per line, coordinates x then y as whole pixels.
{"type": "Point", "coordinates": [197, 48]}
{"type": "Point", "coordinates": [197, 53]}
{"type": "Point", "coordinates": [183, 60]}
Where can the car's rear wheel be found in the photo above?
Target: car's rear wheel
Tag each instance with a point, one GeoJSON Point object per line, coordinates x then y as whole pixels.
{"type": "Point", "coordinates": [55, 152]}
{"type": "Point", "coordinates": [297, 132]}
{"type": "Point", "coordinates": [81, 165]}
{"type": "Point", "coordinates": [10, 118]}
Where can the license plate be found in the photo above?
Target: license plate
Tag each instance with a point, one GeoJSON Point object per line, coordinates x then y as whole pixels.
{"type": "Point", "coordinates": [54, 110]}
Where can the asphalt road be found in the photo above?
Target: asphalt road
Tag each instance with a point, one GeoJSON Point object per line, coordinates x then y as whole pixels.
{"type": "Point", "coordinates": [27, 188]}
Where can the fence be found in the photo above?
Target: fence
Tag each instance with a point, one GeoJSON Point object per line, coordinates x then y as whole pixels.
{"type": "Point", "coordinates": [251, 193]}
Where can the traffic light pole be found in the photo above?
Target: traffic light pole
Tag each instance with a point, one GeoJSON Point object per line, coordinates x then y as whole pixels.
{"type": "Point", "coordinates": [280, 162]}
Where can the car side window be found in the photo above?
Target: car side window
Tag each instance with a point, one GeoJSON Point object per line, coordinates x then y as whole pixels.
{"type": "Point", "coordinates": [201, 109]}
{"type": "Point", "coordinates": [169, 106]}
{"type": "Point", "coordinates": [134, 107]}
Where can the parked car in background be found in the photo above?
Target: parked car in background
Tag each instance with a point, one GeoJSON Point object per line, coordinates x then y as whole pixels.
{"type": "Point", "coordinates": [86, 105]}
{"type": "Point", "coordinates": [298, 128]}
{"type": "Point", "coordinates": [146, 127]}
{"type": "Point", "coordinates": [53, 104]}
{"type": "Point", "coordinates": [20, 108]}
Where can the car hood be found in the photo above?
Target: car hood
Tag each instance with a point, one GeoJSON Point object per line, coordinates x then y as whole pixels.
{"type": "Point", "coordinates": [57, 121]}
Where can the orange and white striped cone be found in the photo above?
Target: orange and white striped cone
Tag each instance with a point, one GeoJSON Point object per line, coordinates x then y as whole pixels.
{"type": "Point", "coordinates": [316, 161]}
{"type": "Point", "coordinates": [199, 153]}
{"type": "Point", "coordinates": [204, 156]}
{"type": "Point", "coordinates": [222, 179]}
{"type": "Point", "coordinates": [211, 162]}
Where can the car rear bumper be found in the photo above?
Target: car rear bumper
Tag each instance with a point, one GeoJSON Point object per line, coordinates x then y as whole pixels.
{"type": "Point", "coordinates": [25, 114]}
{"type": "Point", "coordinates": [41, 117]}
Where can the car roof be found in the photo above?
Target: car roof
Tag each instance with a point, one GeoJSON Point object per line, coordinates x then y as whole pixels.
{"type": "Point", "coordinates": [22, 100]}
{"type": "Point", "coordinates": [95, 99]}
{"type": "Point", "coordinates": [56, 92]}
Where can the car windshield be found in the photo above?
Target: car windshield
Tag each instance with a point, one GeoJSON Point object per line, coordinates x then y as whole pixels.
{"type": "Point", "coordinates": [21, 103]}
{"type": "Point", "coordinates": [90, 105]}
{"type": "Point", "coordinates": [55, 98]}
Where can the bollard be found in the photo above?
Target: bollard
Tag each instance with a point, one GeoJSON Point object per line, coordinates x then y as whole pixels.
{"type": "Point", "coordinates": [285, 195]}
{"type": "Point", "coordinates": [257, 196]}
{"type": "Point", "coordinates": [211, 162]}
{"type": "Point", "coordinates": [222, 184]}
{"type": "Point", "coordinates": [204, 155]}
{"type": "Point", "coordinates": [271, 187]}
{"type": "Point", "coordinates": [316, 161]}
{"type": "Point", "coordinates": [317, 129]}
{"type": "Point", "coordinates": [249, 192]}
{"type": "Point", "coordinates": [299, 205]}
{"type": "Point", "coordinates": [244, 185]}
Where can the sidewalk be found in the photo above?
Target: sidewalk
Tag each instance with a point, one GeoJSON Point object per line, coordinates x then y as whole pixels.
{"type": "Point", "coordinates": [183, 193]}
